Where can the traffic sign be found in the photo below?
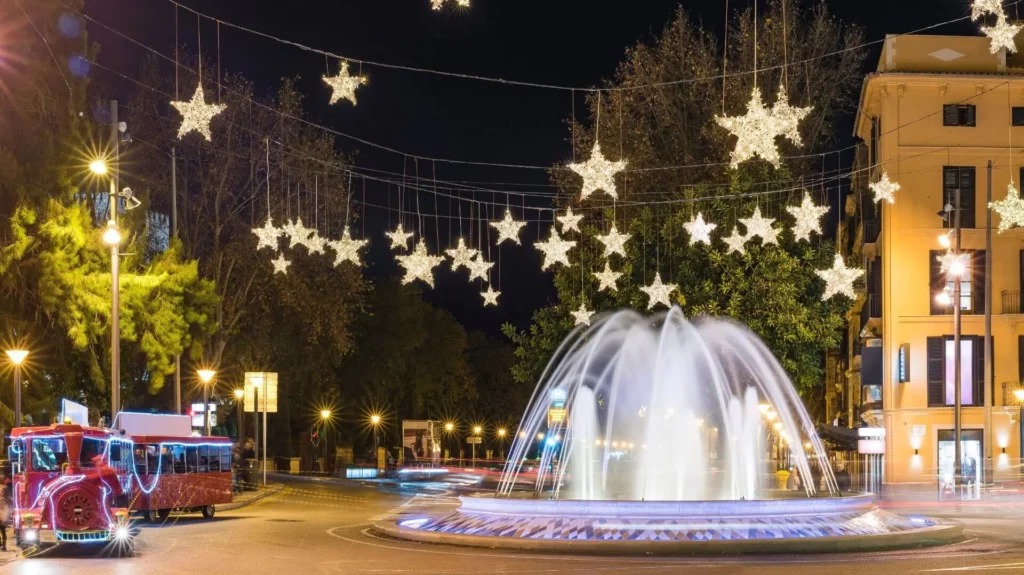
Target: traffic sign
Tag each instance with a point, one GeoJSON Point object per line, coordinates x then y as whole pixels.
{"type": "Point", "coordinates": [473, 439]}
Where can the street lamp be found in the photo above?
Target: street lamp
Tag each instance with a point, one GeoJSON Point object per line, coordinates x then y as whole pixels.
{"type": "Point", "coordinates": [206, 376]}
{"type": "Point", "coordinates": [1019, 395]}
{"type": "Point", "coordinates": [449, 427]}
{"type": "Point", "coordinates": [476, 432]}
{"type": "Point", "coordinates": [501, 441]}
{"type": "Point", "coordinates": [98, 167]}
{"type": "Point", "coordinates": [17, 356]}
{"type": "Point", "coordinates": [375, 421]}
{"type": "Point", "coordinates": [239, 403]}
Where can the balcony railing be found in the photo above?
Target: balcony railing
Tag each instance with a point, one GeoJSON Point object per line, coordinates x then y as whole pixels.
{"type": "Point", "coordinates": [1012, 301]}
{"type": "Point", "coordinates": [872, 310]}
{"type": "Point", "coordinates": [872, 226]}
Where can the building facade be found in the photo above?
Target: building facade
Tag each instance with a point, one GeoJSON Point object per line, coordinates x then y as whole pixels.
{"type": "Point", "coordinates": [934, 114]}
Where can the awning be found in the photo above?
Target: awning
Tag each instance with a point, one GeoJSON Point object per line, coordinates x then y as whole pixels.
{"type": "Point", "coordinates": [842, 438]}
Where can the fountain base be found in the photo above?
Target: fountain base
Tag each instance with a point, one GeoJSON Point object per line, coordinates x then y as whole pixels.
{"type": "Point", "coordinates": [675, 527]}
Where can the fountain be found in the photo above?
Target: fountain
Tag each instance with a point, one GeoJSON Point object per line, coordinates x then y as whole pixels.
{"type": "Point", "coordinates": [658, 431]}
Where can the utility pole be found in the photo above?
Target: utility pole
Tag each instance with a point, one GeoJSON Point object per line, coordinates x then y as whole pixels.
{"type": "Point", "coordinates": [957, 468]}
{"type": "Point", "coordinates": [989, 296]}
{"type": "Point", "coordinates": [115, 327]}
{"type": "Point", "coordinates": [174, 234]}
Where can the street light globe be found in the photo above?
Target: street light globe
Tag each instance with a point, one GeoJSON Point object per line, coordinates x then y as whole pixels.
{"type": "Point", "coordinates": [325, 414]}
{"type": "Point", "coordinates": [501, 433]}
{"type": "Point", "coordinates": [944, 240]}
{"type": "Point", "coordinates": [943, 298]}
{"type": "Point", "coordinates": [239, 393]}
{"type": "Point", "coordinates": [111, 236]}
{"type": "Point", "coordinates": [522, 434]}
{"type": "Point", "coordinates": [206, 375]}
{"type": "Point", "coordinates": [449, 426]}
{"type": "Point", "coordinates": [375, 419]}
{"type": "Point", "coordinates": [17, 355]}
{"type": "Point", "coordinates": [957, 267]}
{"type": "Point", "coordinates": [1018, 393]}
{"type": "Point", "coordinates": [98, 167]}
{"type": "Point", "coordinates": [477, 430]}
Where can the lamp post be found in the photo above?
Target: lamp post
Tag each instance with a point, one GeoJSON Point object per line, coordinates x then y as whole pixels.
{"type": "Point", "coordinates": [954, 272]}
{"type": "Point", "coordinates": [112, 237]}
{"type": "Point", "coordinates": [206, 376]}
{"type": "Point", "coordinates": [501, 442]}
{"type": "Point", "coordinates": [476, 432]}
{"type": "Point", "coordinates": [375, 421]}
{"type": "Point", "coordinates": [325, 418]}
{"type": "Point", "coordinates": [17, 356]}
{"type": "Point", "coordinates": [448, 428]}
{"type": "Point", "coordinates": [239, 402]}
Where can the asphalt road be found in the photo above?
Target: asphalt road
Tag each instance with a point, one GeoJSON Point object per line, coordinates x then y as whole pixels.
{"type": "Point", "coordinates": [322, 527]}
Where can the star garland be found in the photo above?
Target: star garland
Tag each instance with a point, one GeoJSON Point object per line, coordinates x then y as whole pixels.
{"type": "Point", "coordinates": [981, 7]}
{"type": "Point", "coordinates": [761, 226]}
{"type": "Point", "coordinates": [570, 222]}
{"type": "Point", "coordinates": [555, 249]}
{"type": "Point", "coordinates": [736, 241]}
{"type": "Point", "coordinates": [658, 292]}
{"type": "Point", "coordinates": [756, 130]}
{"type": "Point", "coordinates": [1002, 34]}
{"type": "Point", "coordinates": [608, 278]}
{"type": "Point", "coordinates": [266, 237]}
{"type": "Point", "coordinates": [699, 230]}
{"type": "Point", "coordinates": [598, 173]}
{"type": "Point", "coordinates": [461, 255]}
{"type": "Point", "coordinates": [839, 279]}
{"type": "Point", "coordinates": [298, 234]}
{"type": "Point", "coordinates": [1010, 209]}
{"type": "Point", "coordinates": [343, 86]}
{"type": "Point", "coordinates": [347, 249]}
{"type": "Point", "coordinates": [281, 264]}
{"type": "Point", "coordinates": [419, 264]}
{"type": "Point", "coordinates": [490, 296]}
{"type": "Point", "coordinates": [582, 315]}
{"type": "Point", "coordinates": [808, 218]}
{"type": "Point", "coordinates": [884, 189]}
{"type": "Point", "coordinates": [478, 268]}
{"type": "Point", "coordinates": [788, 116]}
{"type": "Point", "coordinates": [614, 242]}
{"type": "Point", "coordinates": [508, 228]}
{"type": "Point", "coordinates": [196, 114]}
{"type": "Point", "coordinates": [316, 244]}
{"type": "Point", "coordinates": [399, 238]}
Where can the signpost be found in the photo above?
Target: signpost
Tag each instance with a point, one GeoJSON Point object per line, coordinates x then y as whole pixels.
{"type": "Point", "coordinates": [261, 395]}
{"type": "Point", "coordinates": [474, 440]}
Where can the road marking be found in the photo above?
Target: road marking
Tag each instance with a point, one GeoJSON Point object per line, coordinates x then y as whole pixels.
{"type": "Point", "coordinates": [998, 566]}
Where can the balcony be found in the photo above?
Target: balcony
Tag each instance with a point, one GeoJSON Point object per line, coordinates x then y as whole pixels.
{"type": "Point", "coordinates": [872, 227]}
{"type": "Point", "coordinates": [1012, 302]}
{"type": "Point", "coordinates": [871, 315]}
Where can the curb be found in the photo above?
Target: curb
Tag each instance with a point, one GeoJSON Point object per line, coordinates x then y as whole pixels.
{"type": "Point", "coordinates": [944, 533]}
{"type": "Point", "coordinates": [272, 490]}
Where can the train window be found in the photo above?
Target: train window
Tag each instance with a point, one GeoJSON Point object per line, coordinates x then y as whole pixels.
{"type": "Point", "coordinates": [92, 452]}
{"type": "Point", "coordinates": [192, 457]}
{"type": "Point", "coordinates": [141, 460]}
{"type": "Point", "coordinates": [178, 457]}
{"type": "Point", "coordinates": [204, 458]}
{"type": "Point", "coordinates": [15, 454]}
{"type": "Point", "coordinates": [225, 458]}
{"type": "Point", "coordinates": [115, 453]}
{"type": "Point", "coordinates": [49, 454]}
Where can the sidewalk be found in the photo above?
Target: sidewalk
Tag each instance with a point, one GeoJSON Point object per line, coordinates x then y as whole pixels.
{"type": "Point", "coordinates": [250, 497]}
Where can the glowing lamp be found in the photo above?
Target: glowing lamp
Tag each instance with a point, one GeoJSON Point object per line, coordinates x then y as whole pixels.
{"type": "Point", "coordinates": [957, 267]}
{"type": "Point", "coordinates": [17, 355]}
{"type": "Point", "coordinates": [501, 433]}
{"type": "Point", "coordinates": [206, 375]}
{"type": "Point", "coordinates": [375, 419]}
{"type": "Point", "coordinates": [1018, 393]}
{"type": "Point", "coordinates": [239, 393]}
{"type": "Point", "coordinates": [98, 167]}
{"type": "Point", "coordinates": [111, 236]}
{"type": "Point", "coordinates": [325, 414]}
{"type": "Point", "coordinates": [449, 426]}
{"type": "Point", "coordinates": [477, 429]}
{"type": "Point", "coordinates": [943, 298]}
{"type": "Point", "coordinates": [944, 240]}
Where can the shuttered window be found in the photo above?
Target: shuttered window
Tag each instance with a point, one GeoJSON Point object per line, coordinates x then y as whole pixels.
{"type": "Point", "coordinates": [972, 285]}
{"type": "Point", "coordinates": [958, 115]}
{"type": "Point", "coordinates": [1018, 116]}
{"type": "Point", "coordinates": [952, 178]}
{"type": "Point", "coordinates": [941, 373]}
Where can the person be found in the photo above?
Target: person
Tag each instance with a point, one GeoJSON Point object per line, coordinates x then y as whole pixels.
{"type": "Point", "coordinates": [842, 477]}
{"type": "Point", "coordinates": [249, 451]}
{"type": "Point", "coordinates": [5, 510]}
{"type": "Point", "coordinates": [793, 483]}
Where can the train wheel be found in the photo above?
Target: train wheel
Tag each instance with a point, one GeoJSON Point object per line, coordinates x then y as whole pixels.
{"type": "Point", "coordinates": [208, 511]}
{"type": "Point", "coordinates": [149, 515]}
{"type": "Point", "coordinates": [164, 514]}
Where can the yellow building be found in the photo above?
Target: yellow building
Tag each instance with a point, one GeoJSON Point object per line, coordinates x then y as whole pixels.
{"type": "Point", "coordinates": [936, 112]}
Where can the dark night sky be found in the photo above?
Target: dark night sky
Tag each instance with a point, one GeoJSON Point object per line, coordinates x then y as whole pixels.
{"type": "Point", "coordinates": [562, 42]}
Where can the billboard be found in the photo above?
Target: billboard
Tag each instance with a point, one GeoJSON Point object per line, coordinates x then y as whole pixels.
{"type": "Point", "coordinates": [266, 383]}
{"type": "Point", "coordinates": [197, 414]}
{"type": "Point", "coordinates": [419, 441]}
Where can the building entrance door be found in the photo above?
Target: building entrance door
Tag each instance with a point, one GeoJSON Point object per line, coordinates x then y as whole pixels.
{"type": "Point", "coordinates": [971, 450]}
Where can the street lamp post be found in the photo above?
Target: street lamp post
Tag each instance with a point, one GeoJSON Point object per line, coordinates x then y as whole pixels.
{"type": "Point", "coordinates": [325, 418]}
{"type": "Point", "coordinates": [448, 428]}
{"type": "Point", "coordinates": [375, 421]}
{"type": "Point", "coordinates": [112, 237]}
{"type": "Point", "coordinates": [1019, 395]}
{"type": "Point", "coordinates": [17, 356]}
{"type": "Point", "coordinates": [206, 376]}
{"type": "Point", "coordinates": [501, 442]}
{"type": "Point", "coordinates": [476, 432]}
{"type": "Point", "coordinates": [239, 402]}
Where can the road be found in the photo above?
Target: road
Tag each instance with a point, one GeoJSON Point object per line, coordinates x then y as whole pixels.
{"type": "Point", "coordinates": [321, 527]}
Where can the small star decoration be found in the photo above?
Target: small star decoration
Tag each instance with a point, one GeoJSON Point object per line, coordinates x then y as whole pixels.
{"type": "Point", "coordinates": [570, 222]}
{"type": "Point", "coordinates": [981, 7]}
{"type": "Point", "coordinates": [399, 238]}
{"type": "Point", "coordinates": [419, 265]}
{"type": "Point", "coordinates": [478, 268]}
{"type": "Point", "coordinates": [658, 292]}
{"type": "Point", "coordinates": [699, 230]}
{"type": "Point", "coordinates": [1010, 209]}
{"type": "Point", "coordinates": [196, 114]}
{"type": "Point", "coordinates": [756, 130]}
{"type": "Point", "coordinates": [614, 242]}
{"type": "Point", "coordinates": [556, 250]}
{"type": "Point", "coordinates": [280, 264]}
{"type": "Point", "coordinates": [267, 235]}
{"type": "Point", "coordinates": [461, 255]}
{"type": "Point", "coordinates": [761, 226]}
{"type": "Point", "coordinates": [884, 189]}
{"type": "Point", "coordinates": [808, 218]}
{"type": "Point", "coordinates": [490, 296]}
{"type": "Point", "coordinates": [346, 248]}
{"type": "Point", "coordinates": [298, 234]}
{"type": "Point", "coordinates": [607, 278]}
{"type": "Point", "coordinates": [343, 85]}
{"type": "Point", "coordinates": [839, 279]}
{"type": "Point", "coordinates": [582, 315]}
{"type": "Point", "coordinates": [508, 229]}
{"type": "Point", "coordinates": [735, 241]}
{"type": "Point", "coordinates": [598, 173]}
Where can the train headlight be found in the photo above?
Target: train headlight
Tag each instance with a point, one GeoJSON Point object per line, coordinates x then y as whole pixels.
{"type": "Point", "coordinates": [121, 533]}
{"type": "Point", "coordinates": [30, 535]}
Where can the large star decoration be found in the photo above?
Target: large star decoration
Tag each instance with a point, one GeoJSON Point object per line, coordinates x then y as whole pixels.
{"type": "Point", "coordinates": [266, 237]}
{"type": "Point", "coordinates": [1010, 209]}
{"type": "Point", "coordinates": [735, 241]}
{"type": "Point", "coordinates": [788, 116]}
{"type": "Point", "coordinates": [478, 268]}
{"type": "Point", "coordinates": [608, 278]}
{"type": "Point", "coordinates": [343, 85]}
{"type": "Point", "coordinates": [756, 130]}
{"type": "Point", "coordinates": [839, 279]}
{"type": "Point", "coordinates": [981, 7]}
{"type": "Point", "coordinates": [298, 234]}
{"type": "Point", "coordinates": [598, 173]}
{"type": "Point", "coordinates": [582, 315]}
{"type": "Point", "coordinates": [556, 250]}
{"type": "Point", "coordinates": [346, 248]}
{"type": "Point", "coordinates": [1002, 34]}
{"type": "Point", "coordinates": [461, 255]}
{"type": "Point", "coordinates": [884, 189]}
{"type": "Point", "coordinates": [196, 114]}
{"type": "Point", "coordinates": [808, 218]}
{"type": "Point", "coordinates": [658, 292]}
{"type": "Point", "coordinates": [508, 228]}
{"type": "Point", "coordinates": [419, 264]}
{"type": "Point", "coordinates": [761, 226]}
{"type": "Point", "coordinates": [614, 242]}
{"type": "Point", "coordinates": [280, 264]}
{"type": "Point", "coordinates": [699, 230]}
{"type": "Point", "coordinates": [399, 238]}
{"type": "Point", "coordinates": [490, 296]}
{"type": "Point", "coordinates": [570, 221]}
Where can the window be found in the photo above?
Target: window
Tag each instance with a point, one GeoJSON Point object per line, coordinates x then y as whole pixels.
{"type": "Point", "coordinates": [143, 454]}
{"type": "Point", "coordinates": [958, 115]}
{"type": "Point", "coordinates": [225, 458]}
{"type": "Point", "coordinates": [972, 284]}
{"type": "Point", "coordinates": [177, 453]}
{"type": "Point", "coordinates": [204, 458]}
{"type": "Point", "coordinates": [1018, 116]}
{"type": "Point", "coordinates": [92, 452]}
{"type": "Point", "coordinates": [941, 372]}
{"type": "Point", "coordinates": [876, 133]}
{"type": "Point", "coordinates": [961, 177]}
{"type": "Point", "coordinates": [192, 458]}
{"type": "Point", "coordinates": [15, 454]}
{"type": "Point", "coordinates": [49, 454]}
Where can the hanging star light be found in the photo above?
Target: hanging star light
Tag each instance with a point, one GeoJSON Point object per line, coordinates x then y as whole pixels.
{"type": "Point", "coordinates": [760, 226]}
{"type": "Point", "coordinates": [955, 262]}
{"type": "Point", "coordinates": [598, 173]}
{"type": "Point", "coordinates": [735, 241]}
{"type": "Point", "coordinates": [1010, 209]}
{"type": "Point", "coordinates": [461, 255]}
{"type": "Point", "coordinates": [298, 234]}
{"type": "Point", "coordinates": [607, 278]}
{"type": "Point", "coordinates": [839, 279]}
{"type": "Point", "coordinates": [755, 132]}
{"type": "Point", "coordinates": [808, 218]}
{"type": "Point", "coordinates": [196, 114]}
{"type": "Point", "coordinates": [281, 264]}
{"type": "Point", "coordinates": [267, 235]}
{"type": "Point", "coordinates": [478, 268]}
{"type": "Point", "coordinates": [699, 230]}
{"type": "Point", "coordinates": [614, 242]}
{"type": "Point", "coordinates": [343, 85]}
{"type": "Point", "coordinates": [1002, 34]}
{"type": "Point", "coordinates": [508, 229]}
{"type": "Point", "coordinates": [436, 4]}
{"type": "Point", "coordinates": [347, 249]}
{"type": "Point", "coordinates": [316, 244]}
{"type": "Point", "coordinates": [884, 189]}
{"type": "Point", "coordinates": [419, 264]}
{"type": "Point", "coordinates": [570, 222]}
{"type": "Point", "coordinates": [399, 238]}
{"type": "Point", "coordinates": [788, 117]}
{"type": "Point", "coordinates": [582, 315]}
{"type": "Point", "coordinates": [981, 7]}
{"type": "Point", "coordinates": [556, 250]}
{"type": "Point", "coordinates": [658, 292]}
{"type": "Point", "coordinates": [490, 296]}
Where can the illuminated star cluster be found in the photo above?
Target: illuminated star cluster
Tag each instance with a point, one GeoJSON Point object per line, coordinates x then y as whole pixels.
{"type": "Point", "coordinates": [598, 173]}
{"type": "Point", "coordinates": [266, 237]}
{"type": "Point", "coordinates": [658, 292]}
{"type": "Point", "coordinates": [1010, 209]}
{"type": "Point", "coordinates": [556, 250]}
{"type": "Point", "coordinates": [756, 130]}
{"type": "Point", "coordinates": [614, 242]}
{"type": "Point", "coordinates": [461, 255]}
{"type": "Point", "coordinates": [788, 117]}
{"type": "Point", "coordinates": [438, 4]}
{"type": "Point", "coordinates": [699, 230]}
{"type": "Point", "coordinates": [343, 86]}
{"type": "Point", "coordinates": [346, 248]}
{"type": "Point", "coordinates": [808, 218]}
{"type": "Point", "coordinates": [419, 264]}
{"type": "Point", "coordinates": [981, 7]}
{"type": "Point", "coordinates": [508, 228]}
{"type": "Point", "coordinates": [884, 189]}
{"type": "Point", "coordinates": [297, 233]}
{"type": "Point", "coordinates": [196, 114]}
{"type": "Point", "coordinates": [607, 278]}
{"type": "Point", "coordinates": [839, 279]}
{"type": "Point", "coordinates": [761, 226]}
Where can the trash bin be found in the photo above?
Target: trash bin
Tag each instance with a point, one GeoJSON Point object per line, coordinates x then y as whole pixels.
{"type": "Point", "coordinates": [248, 473]}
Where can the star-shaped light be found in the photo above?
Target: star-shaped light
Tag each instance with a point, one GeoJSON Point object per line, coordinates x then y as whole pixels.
{"type": "Point", "coordinates": [280, 264]}
{"type": "Point", "coordinates": [699, 230]}
{"type": "Point", "coordinates": [461, 255]}
{"type": "Point", "coordinates": [735, 241]}
{"type": "Point", "coordinates": [490, 296]}
{"type": "Point", "coordinates": [556, 250]}
{"type": "Point", "coordinates": [598, 173]}
{"type": "Point", "coordinates": [788, 116]}
{"type": "Point", "coordinates": [478, 268]}
{"type": "Point", "coordinates": [298, 234]}
{"type": "Point", "coordinates": [1010, 209]}
{"type": "Point", "coordinates": [196, 114]}
{"type": "Point", "coordinates": [346, 248]}
{"type": "Point", "coordinates": [808, 217]}
{"type": "Point", "coordinates": [343, 85]}
{"type": "Point", "coordinates": [316, 244]}
{"type": "Point", "coordinates": [953, 263]}
{"type": "Point", "coordinates": [755, 132]}
{"type": "Point", "coordinates": [419, 264]}
{"type": "Point", "coordinates": [508, 229]}
{"type": "Point", "coordinates": [839, 279]}
{"type": "Point", "coordinates": [614, 242]}
{"type": "Point", "coordinates": [884, 189]}
{"type": "Point", "coordinates": [267, 235]}
{"type": "Point", "coordinates": [658, 292]}
{"type": "Point", "coordinates": [760, 226]}
{"type": "Point", "coordinates": [1002, 34]}
{"type": "Point", "coordinates": [981, 7]}
{"type": "Point", "coordinates": [570, 222]}
{"type": "Point", "coordinates": [607, 278]}
{"type": "Point", "coordinates": [399, 238]}
{"type": "Point", "coordinates": [582, 315]}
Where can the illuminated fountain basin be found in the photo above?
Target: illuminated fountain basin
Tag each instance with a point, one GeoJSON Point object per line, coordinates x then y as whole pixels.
{"type": "Point", "coordinates": [665, 448]}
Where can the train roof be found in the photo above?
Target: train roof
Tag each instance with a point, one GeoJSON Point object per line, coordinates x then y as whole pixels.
{"type": "Point", "coordinates": [61, 429]}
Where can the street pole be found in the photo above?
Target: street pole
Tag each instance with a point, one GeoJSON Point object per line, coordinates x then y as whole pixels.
{"type": "Point", "coordinates": [957, 468]}
{"type": "Point", "coordinates": [241, 418]}
{"type": "Point", "coordinates": [206, 409]}
{"type": "Point", "coordinates": [17, 395]}
{"type": "Point", "coordinates": [987, 348]}
{"type": "Point", "coordinates": [264, 430]}
{"type": "Point", "coordinates": [115, 280]}
{"type": "Point", "coordinates": [256, 421]}
{"type": "Point", "coordinates": [174, 234]}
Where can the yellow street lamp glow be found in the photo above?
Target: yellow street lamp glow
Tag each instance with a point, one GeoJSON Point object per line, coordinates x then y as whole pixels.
{"type": "Point", "coordinates": [239, 393]}
{"type": "Point", "coordinates": [477, 430]}
{"type": "Point", "coordinates": [325, 414]}
{"type": "Point", "coordinates": [501, 433]}
{"type": "Point", "coordinates": [522, 434]}
{"type": "Point", "coordinates": [111, 236]}
{"type": "Point", "coordinates": [17, 355]}
{"type": "Point", "coordinates": [944, 240]}
{"type": "Point", "coordinates": [764, 407]}
{"type": "Point", "coordinates": [1018, 393]}
{"type": "Point", "coordinates": [206, 375]}
{"type": "Point", "coordinates": [957, 268]}
{"type": "Point", "coordinates": [943, 298]}
{"type": "Point", "coordinates": [777, 425]}
{"type": "Point", "coordinates": [375, 419]}
{"type": "Point", "coordinates": [771, 415]}
{"type": "Point", "coordinates": [449, 426]}
{"type": "Point", "coordinates": [540, 436]}
{"type": "Point", "coordinates": [98, 167]}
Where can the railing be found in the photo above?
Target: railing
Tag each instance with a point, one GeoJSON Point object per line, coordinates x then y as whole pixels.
{"type": "Point", "coordinates": [872, 227]}
{"type": "Point", "coordinates": [1012, 301]}
{"type": "Point", "coordinates": [872, 309]}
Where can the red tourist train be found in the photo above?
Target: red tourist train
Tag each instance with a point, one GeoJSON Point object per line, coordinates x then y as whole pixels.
{"type": "Point", "coordinates": [78, 484]}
